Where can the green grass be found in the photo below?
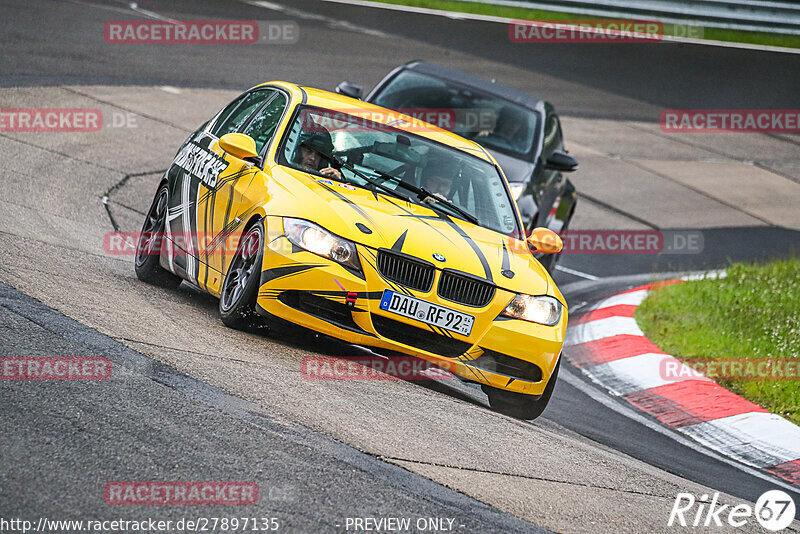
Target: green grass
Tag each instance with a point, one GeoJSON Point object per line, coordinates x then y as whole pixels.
{"type": "Point", "coordinates": [752, 313]}
{"type": "Point", "coordinates": [715, 34]}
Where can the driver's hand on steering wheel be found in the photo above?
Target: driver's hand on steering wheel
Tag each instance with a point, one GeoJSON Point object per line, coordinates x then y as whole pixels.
{"type": "Point", "coordinates": [330, 171]}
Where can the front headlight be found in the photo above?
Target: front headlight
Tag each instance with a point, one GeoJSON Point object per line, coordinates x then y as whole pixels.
{"type": "Point", "coordinates": [321, 242]}
{"type": "Point", "coordinates": [516, 189]}
{"type": "Point", "coordinates": [543, 310]}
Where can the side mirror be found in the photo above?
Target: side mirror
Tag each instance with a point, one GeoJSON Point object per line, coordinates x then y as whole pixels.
{"type": "Point", "coordinates": [238, 145]}
{"type": "Point", "coordinates": [350, 89]}
{"type": "Point", "coordinates": [561, 161]}
{"type": "Point", "coordinates": [545, 240]}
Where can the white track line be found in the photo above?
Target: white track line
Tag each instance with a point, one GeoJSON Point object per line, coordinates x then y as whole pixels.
{"type": "Point", "coordinates": [577, 273]}
{"type": "Point", "coordinates": [637, 373]}
{"type": "Point", "coordinates": [152, 14]}
{"type": "Point", "coordinates": [757, 438]}
{"type": "Point", "coordinates": [601, 329]}
{"type": "Point", "coordinates": [131, 6]}
{"type": "Point", "coordinates": [458, 15]}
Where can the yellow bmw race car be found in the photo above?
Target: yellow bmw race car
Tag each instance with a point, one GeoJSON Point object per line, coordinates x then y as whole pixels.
{"type": "Point", "coordinates": [296, 204]}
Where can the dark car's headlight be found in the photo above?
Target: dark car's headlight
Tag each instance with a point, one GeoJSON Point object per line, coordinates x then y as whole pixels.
{"type": "Point", "coordinates": [543, 310]}
{"type": "Point", "coordinates": [318, 240]}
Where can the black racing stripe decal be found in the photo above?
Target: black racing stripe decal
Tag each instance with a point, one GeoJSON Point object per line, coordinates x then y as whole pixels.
{"type": "Point", "coordinates": [478, 373]}
{"type": "Point", "coordinates": [444, 332]}
{"type": "Point", "coordinates": [227, 180]}
{"type": "Point", "coordinates": [478, 252]}
{"type": "Point", "coordinates": [194, 192]}
{"type": "Point", "coordinates": [269, 275]}
{"type": "Point", "coordinates": [421, 218]}
{"type": "Point", "coordinates": [347, 201]}
{"type": "Point", "coordinates": [473, 353]}
{"type": "Point", "coordinates": [222, 235]}
{"type": "Point", "coordinates": [369, 295]}
{"type": "Point", "coordinates": [398, 245]}
{"type": "Point", "coordinates": [205, 251]}
{"type": "Point", "coordinates": [354, 272]}
{"type": "Point", "coordinates": [226, 221]}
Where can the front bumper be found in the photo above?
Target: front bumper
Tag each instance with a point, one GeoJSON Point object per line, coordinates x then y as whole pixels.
{"type": "Point", "coordinates": [321, 295]}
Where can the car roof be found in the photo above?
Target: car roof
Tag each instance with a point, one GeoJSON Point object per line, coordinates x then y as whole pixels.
{"type": "Point", "coordinates": [334, 101]}
{"type": "Point", "coordinates": [463, 78]}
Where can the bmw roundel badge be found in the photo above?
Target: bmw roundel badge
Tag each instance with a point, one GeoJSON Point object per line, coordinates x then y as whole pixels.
{"type": "Point", "coordinates": [439, 257]}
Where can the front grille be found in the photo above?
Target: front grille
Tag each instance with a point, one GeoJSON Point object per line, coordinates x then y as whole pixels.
{"type": "Point", "coordinates": [507, 365]}
{"type": "Point", "coordinates": [465, 289]}
{"type": "Point", "coordinates": [406, 270]}
{"type": "Point", "coordinates": [420, 338]}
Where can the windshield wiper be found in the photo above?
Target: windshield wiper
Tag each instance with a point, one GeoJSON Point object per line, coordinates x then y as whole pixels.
{"type": "Point", "coordinates": [336, 161]}
{"type": "Point", "coordinates": [423, 194]}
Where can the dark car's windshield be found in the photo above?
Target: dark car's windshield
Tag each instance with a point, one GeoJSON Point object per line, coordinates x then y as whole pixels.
{"type": "Point", "coordinates": [376, 150]}
{"type": "Point", "coordinates": [491, 121]}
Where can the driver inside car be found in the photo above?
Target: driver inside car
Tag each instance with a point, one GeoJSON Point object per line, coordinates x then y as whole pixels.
{"type": "Point", "coordinates": [437, 178]}
{"type": "Point", "coordinates": [310, 152]}
{"type": "Point", "coordinates": [509, 128]}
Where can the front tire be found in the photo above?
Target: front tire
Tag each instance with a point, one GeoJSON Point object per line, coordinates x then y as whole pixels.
{"type": "Point", "coordinates": [237, 301]}
{"type": "Point", "coordinates": [150, 242]}
{"type": "Point", "coordinates": [519, 405]}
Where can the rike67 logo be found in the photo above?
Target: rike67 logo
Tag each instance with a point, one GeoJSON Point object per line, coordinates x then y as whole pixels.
{"type": "Point", "coordinates": [774, 511]}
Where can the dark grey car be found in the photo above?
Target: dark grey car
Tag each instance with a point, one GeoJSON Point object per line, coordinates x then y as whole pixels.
{"type": "Point", "coordinates": [522, 132]}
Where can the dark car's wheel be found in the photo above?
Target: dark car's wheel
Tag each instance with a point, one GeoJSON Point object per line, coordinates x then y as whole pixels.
{"type": "Point", "coordinates": [150, 242]}
{"type": "Point", "coordinates": [237, 301]}
{"type": "Point", "coordinates": [519, 405]}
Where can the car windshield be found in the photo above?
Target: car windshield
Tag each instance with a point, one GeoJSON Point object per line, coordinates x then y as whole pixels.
{"type": "Point", "coordinates": [491, 121]}
{"type": "Point", "coordinates": [376, 151]}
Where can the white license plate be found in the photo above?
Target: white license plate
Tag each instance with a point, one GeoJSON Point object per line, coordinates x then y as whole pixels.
{"type": "Point", "coordinates": [427, 312]}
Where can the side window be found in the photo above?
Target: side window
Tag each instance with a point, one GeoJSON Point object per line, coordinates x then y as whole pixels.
{"type": "Point", "coordinates": [226, 112]}
{"type": "Point", "coordinates": [552, 136]}
{"type": "Point", "coordinates": [239, 116]}
{"type": "Point", "coordinates": [263, 126]}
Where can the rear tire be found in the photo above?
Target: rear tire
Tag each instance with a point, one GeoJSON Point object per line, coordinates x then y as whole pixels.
{"type": "Point", "coordinates": [150, 242]}
{"type": "Point", "coordinates": [519, 405]}
{"type": "Point", "coordinates": [237, 301]}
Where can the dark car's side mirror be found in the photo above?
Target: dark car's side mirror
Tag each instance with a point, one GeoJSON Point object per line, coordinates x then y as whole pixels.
{"type": "Point", "coordinates": [561, 161]}
{"type": "Point", "coordinates": [350, 89]}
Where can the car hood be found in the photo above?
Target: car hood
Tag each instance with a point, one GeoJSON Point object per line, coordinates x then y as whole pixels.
{"type": "Point", "coordinates": [516, 170]}
{"type": "Point", "coordinates": [382, 221]}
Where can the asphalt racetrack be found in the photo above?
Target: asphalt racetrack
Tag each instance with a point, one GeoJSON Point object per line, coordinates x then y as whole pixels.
{"type": "Point", "coordinates": [192, 400]}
